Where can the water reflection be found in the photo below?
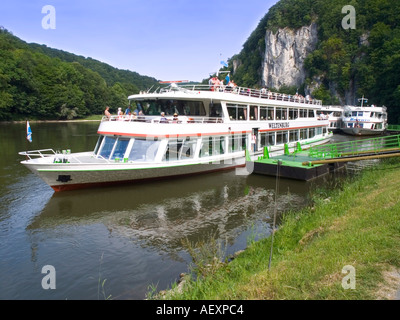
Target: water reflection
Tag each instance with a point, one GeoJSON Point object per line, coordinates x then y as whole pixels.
{"type": "Point", "coordinates": [160, 215]}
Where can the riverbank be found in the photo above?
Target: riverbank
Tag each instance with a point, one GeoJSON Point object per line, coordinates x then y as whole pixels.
{"type": "Point", "coordinates": [346, 245]}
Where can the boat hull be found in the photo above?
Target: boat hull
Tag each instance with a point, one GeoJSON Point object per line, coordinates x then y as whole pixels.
{"type": "Point", "coordinates": [63, 177]}
{"type": "Point", "coordinates": [362, 131]}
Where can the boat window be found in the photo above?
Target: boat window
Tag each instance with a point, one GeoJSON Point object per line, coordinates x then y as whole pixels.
{"type": "Point", "coordinates": [360, 113]}
{"type": "Point", "coordinates": [237, 112]}
{"type": "Point", "coordinates": [354, 114]}
{"type": "Point", "coordinates": [144, 150]}
{"type": "Point", "coordinates": [278, 114]}
{"type": "Point", "coordinates": [206, 147]}
{"type": "Point", "coordinates": [303, 113]}
{"type": "Point", "coordinates": [266, 113]}
{"type": "Point", "coordinates": [303, 134]}
{"type": "Point", "coordinates": [107, 147]}
{"type": "Point", "coordinates": [120, 148]}
{"type": "Point", "coordinates": [281, 137]}
{"type": "Point", "coordinates": [253, 112]}
{"type": "Point", "coordinates": [281, 113]}
{"type": "Point", "coordinates": [98, 144]}
{"type": "Point", "coordinates": [263, 139]}
{"type": "Point", "coordinates": [311, 113]}
{"type": "Point", "coordinates": [215, 110]}
{"type": "Point", "coordinates": [173, 151]}
{"type": "Point", "coordinates": [188, 149]}
{"type": "Point", "coordinates": [169, 106]}
{"type": "Point", "coordinates": [267, 139]}
{"type": "Point", "coordinates": [221, 144]}
{"type": "Point", "coordinates": [237, 142]}
{"type": "Point", "coordinates": [293, 114]}
{"type": "Point", "coordinates": [311, 133]}
{"type": "Point", "coordinates": [293, 135]}
{"type": "Point", "coordinates": [212, 146]}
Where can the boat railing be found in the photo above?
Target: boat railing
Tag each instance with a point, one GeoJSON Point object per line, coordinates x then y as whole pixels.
{"type": "Point", "coordinates": [255, 93]}
{"type": "Point", "coordinates": [38, 153]}
{"type": "Point", "coordinates": [169, 119]}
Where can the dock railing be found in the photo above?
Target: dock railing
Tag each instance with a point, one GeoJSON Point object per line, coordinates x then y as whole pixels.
{"type": "Point", "coordinates": [356, 147]}
{"type": "Point", "coordinates": [393, 127]}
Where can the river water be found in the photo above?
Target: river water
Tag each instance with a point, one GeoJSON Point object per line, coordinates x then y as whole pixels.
{"type": "Point", "coordinates": [119, 242]}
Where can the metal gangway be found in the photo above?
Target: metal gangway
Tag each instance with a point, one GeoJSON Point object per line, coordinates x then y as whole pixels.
{"type": "Point", "coordinates": [355, 150]}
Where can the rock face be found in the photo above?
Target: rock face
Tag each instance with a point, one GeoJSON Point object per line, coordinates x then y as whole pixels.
{"type": "Point", "coordinates": [285, 52]}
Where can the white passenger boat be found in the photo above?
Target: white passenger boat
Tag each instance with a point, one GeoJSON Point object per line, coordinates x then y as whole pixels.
{"type": "Point", "coordinates": [334, 115]}
{"type": "Point", "coordinates": [361, 120]}
{"type": "Point", "coordinates": [214, 128]}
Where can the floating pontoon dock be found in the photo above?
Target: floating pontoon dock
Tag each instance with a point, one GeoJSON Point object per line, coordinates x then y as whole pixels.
{"type": "Point", "coordinates": [320, 160]}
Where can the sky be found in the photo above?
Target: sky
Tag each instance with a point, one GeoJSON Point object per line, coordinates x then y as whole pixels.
{"type": "Point", "coordinates": [164, 39]}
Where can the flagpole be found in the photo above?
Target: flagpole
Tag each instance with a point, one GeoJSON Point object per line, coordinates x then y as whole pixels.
{"type": "Point", "coordinates": [28, 136]}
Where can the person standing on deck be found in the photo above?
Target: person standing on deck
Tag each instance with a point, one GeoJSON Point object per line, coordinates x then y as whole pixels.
{"type": "Point", "coordinates": [107, 112]}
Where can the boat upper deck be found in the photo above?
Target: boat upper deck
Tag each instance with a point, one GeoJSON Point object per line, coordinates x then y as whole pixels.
{"type": "Point", "coordinates": [222, 92]}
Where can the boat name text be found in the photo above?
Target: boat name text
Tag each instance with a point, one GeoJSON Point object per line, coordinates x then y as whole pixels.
{"type": "Point", "coordinates": [279, 125]}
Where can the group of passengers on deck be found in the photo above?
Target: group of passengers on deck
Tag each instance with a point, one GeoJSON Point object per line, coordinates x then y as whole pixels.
{"type": "Point", "coordinates": [139, 115]}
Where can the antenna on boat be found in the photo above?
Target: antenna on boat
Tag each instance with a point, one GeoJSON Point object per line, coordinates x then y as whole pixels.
{"type": "Point", "coordinates": [150, 88]}
{"type": "Point", "coordinates": [362, 101]}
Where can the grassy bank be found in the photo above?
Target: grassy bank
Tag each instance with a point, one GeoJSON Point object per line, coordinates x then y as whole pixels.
{"type": "Point", "coordinates": [356, 225]}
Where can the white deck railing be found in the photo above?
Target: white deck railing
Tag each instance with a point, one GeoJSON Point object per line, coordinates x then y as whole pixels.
{"type": "Point", "coordinates": [255, 93]}
{"type": "Point", "coordinates": [170, 120]}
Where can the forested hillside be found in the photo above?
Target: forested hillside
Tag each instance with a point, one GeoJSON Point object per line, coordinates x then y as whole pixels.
{"type": "Point", "coordinates": [37, 82]}
{"type": "Point", "coordinates": [365, 60]}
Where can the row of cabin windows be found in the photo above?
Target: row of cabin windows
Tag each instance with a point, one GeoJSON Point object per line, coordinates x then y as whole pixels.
{"type": "Point", "coordinates": [275, 138]}
{"type": "Point", "coordinates": [240, 112]}
{"type": "Point", "coordinates": [377, 126]}
{"type": "Point", "coordinates": [363, 114]}
{"type": "Point", "coordinates": [113, 148]}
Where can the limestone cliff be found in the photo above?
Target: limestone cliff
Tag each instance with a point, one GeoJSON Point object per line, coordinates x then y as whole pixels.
{"type": "Point", "coordinates": [285, 52]}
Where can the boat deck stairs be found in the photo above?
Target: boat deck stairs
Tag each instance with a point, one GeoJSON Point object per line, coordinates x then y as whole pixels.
{"type": "Point", "coordinates": [322, 159]}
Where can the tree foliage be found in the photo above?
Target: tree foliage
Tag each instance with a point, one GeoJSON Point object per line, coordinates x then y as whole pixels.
{"type": "Point", "coordinates": [38, 82]}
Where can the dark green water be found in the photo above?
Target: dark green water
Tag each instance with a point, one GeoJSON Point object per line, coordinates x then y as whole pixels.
{"type": "Point", "coordinates": [131, 236]}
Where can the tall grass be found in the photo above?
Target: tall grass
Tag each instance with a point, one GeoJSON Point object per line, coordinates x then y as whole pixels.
{"type": "Point", "coordinates": [357, 224]}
